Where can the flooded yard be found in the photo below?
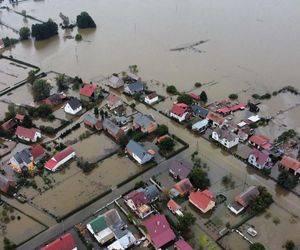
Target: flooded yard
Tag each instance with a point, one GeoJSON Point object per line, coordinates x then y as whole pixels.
{"type": "Point", "coordinates": [73, 188]}
{"type": "Point", "coordinates": [17, 227]}
{"type": "Point", "coordinates": [41, 122]}
{"type": "Point", "coordinates": [95, 147]}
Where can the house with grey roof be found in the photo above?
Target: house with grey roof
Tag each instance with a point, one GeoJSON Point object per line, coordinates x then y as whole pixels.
{"type": "Point", "coordinates": [225, 137]}
{"type": "Point", "coordinates": [134, 88]}
{"type": "Point", "coordinates": [138, 152]}
{"type": "Point", "coordinates": [112, 129]}
{"type": "Point", "coordinates": [151, 192]}
{"type": "Point", "coordinates": [144, 122]}
{"type": "Point", "coordinates": [115, 82]}
{"type": "Point", "coordinates": [73, 106]}
{"type": "Point", "coordinates": [91, 121]}
{"type": "Point", "coordinates": [22, 161]}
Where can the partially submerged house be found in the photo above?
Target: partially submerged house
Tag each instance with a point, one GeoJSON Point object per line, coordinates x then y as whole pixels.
{"type": "Point", "coordinates": [225, 137]}
{"type": "Point", "coordinates": [259, 159]}
{"type": "Point", "coordinates": [60, 158]}
{"type": "Point", "coordinates": [203, 200]}
{"type": "Point", "coordinates": [260, 142]}
{"type": "Point", "coordinates": [73, 106]}
{"type": "Point", "coordinates": [179, 169]}
{"type": "Point", "coordinates": [151, 98]}
{"type": "Point", "coordinates": [138, 152]}
{"type": "Point", "coordinates": [113, 101]}
{"type": "Point", "coordinates": [89, 92]}
{"type": "Point", "coordinates": [243, 200]}
{"type": "Point", "coordinates": [290, 164]}
{"type": "Point", "coordinates": [179, 111]}
{"type": "Point", "coordinates": [139, 200]}
{"type": "Point", "coordinates": [112, 129]}
{"type": "Point", "coordinates": [200, 126]}
{"type": "Point", "coordinates": [134, 88]}
{"type": "Point", "coordinates": [91, 121]}
{"type": "Point", "coordinates": [184, 187]}
{"type": "Point", "coordinates": [230, 109]}
{"type": "Point", "coordinates": [115, 82]}
{"type": "Point", "coordinates": [159, 231]}
{"type": "Point", "coordinates": [64, 242]}
{"type": "Point", "coordinates": [145, 123]}
{"type": "Point", "coordinates": [28, 134]}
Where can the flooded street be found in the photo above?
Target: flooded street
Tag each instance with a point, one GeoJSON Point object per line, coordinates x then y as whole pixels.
{"type": "Point", "coordinates": [251, 44]}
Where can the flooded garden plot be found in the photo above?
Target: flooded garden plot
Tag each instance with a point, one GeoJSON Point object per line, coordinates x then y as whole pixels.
{"type": "Point", "coordinates": [75, 188]}
{"type": "Point", "coordinates": [95, 147]}
{"type": "Point", "coordinates": [234, 241]}
{"type": "Point", "coordinates": [20, 96]}
{"type": "Point", "coordinates": [15, 226]}
{"type": "Point", "coordinates": [56, 123]}
{"type": "Point", "coordinates": [271, 225]}
{"type": "Point", "coordinates": [3, 109]}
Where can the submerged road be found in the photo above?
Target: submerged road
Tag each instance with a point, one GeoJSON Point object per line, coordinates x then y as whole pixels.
{"type": "Point", "coordinates": [212, 156]}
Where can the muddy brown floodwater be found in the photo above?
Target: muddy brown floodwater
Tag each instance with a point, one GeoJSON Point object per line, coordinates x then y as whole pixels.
{"type": "Point", "coordinates": [252, 44]}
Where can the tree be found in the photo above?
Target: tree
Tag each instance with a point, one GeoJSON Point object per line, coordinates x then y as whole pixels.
{"type": "Point", "coordinates": [199, 178]}
{"type": "Point", "coordinates": [27, 122]}
{"type": "Point", "coordinates": [96, 111]}
{"type": "Point", "coordinates": [85, 21]}
{"type": "Point", "coordinates": [203, 96]}
{"type": "Point", "coordinates": [45, 30]}
{"type": "Point", "coordinates": [171, 89]}
{"type": "Point", "coordinates": [185, 222]}
{"type": "Point", "coordinates": [289, 245]}
{"type": "Point", "coordinates": [60, 81]}
{"type": "Point", "coordinates": [162, 130]}
{"type": "Point", "coordinates": [262, 201]}
{"type": "Point", "coordinates": [24, 33]}
{"type": "Point", "coordinates": [123, 141]}
{"type": "Point", "coordinates": [139, 184]}
{"type": "Point", "coordinates": [78, 37]}
{"type": "Point", "coordinates": [9, 41]}
{"type": "Point", "coordinates": [166, 145]}
{"type": "Point", "coordinates": [187, 99]}
{"type": "Point", "coordinates": [257, 246]}
{"type": "Point", "coordinates": [40, 89]}
{"type": "Point", "coordinates": [233, 96]}
{"type": "Point", "coordinates": [31, 77]}
{"type": "Point", "coordinates": [286, 180]}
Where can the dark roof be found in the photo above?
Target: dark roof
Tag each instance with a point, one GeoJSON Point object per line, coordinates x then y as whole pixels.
{"type": "Point", "coordinates": [136, 87]}
{"type": "Point", "coordinates": [90, 118]}
{"type": "Point", "coordinates": [136, 148]}
{"type": "Point", "coordinates": [142, 120]}
{"type": "Point", "coordinates": [23, 156]}
{"type": "Point", "coordinates": [74, 103]}
{"type": "Point", "coordinates": [198, 110]}
{"type": "Point", "coordinates": [180, 169]}
{"type": "Point", "coordinates": [113, 128]}
{"type": "Point", "coordinates": [151, 192]}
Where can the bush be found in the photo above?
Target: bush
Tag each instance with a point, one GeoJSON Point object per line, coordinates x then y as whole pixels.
{"type": "Point", "coordinates": [289, 245]}
{"type": "Point", "coordinates": [203, 96]}
{"type": "Point", "coordinates": [172, 89]}
{"type": "Point", "coordinates": [43, 31]}
{"type": "Point", "coordinates": [166, 145]}
{"type": "Point", "coordinates": [184, 98]}
{"type": "Point", "coordinates": [199, 178]}
{"type": "Point", "coordinates": [162, 130]}
{"type": "Point", "coordinates": [287, 180]}
{"type": "Point", "coordinates": [85, 21]}
{"type": "Point", "coordinates": [24, 33]}
{"type": "Point", "coordinates": [9, 41]}
{"type": "Point", "coordinates": [262, 201]}
{"type": "Point", "coordinates": [40, 89]}
{"type": "Point", "coordinates": [257, 246]}
{"type": "Point", "coordinates": [198, 84]}
{"type": "Point", "coordinates": [233, 96]}
{"type": "Point", "coordinates": [78, 37]}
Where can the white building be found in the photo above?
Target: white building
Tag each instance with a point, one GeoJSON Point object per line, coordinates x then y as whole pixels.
{"type": "Point", "coordinates": [259, 159]}
{"type": "Point", "coordinates": [73, 106]}
{"type": "Point", "coordinates": [151, 98]}
{"type": "Point", "coordinates": [60, 158]}
{"type": "Point", "coordinates": [225, 137]}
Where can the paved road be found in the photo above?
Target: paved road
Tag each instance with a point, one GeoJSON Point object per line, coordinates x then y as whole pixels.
{"type": "Point", "coordinates": [211, 155]}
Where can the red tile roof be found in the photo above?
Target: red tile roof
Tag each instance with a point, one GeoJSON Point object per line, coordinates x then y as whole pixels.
{"type": "Point", "coordinates": [194, 96]}
{"type": "Point", "coordinates": [261, 141]}
{"type": "Point", "coordinates": [138, 198]}
{"type": "Point", "coordinates": [289, 162]}
{"type": "Point", "coordinates": [159, 230]}
{"type": "Point", "coordinates": [201, 199]}
{"type": "Point", "coordinates": [172, 205]}
{"type": "Point", "coordinates": [179, 109]}
{"type": "Point", "coordinates": [261, 157]}
{"type": "Point", "coordinates": [184, 186]}
{"type": "Point", "coordinates": [182, 245]}
{"type": "Point", "coordinates": [20, 117]}
{"type": "Point", "coordinates": [37, 151]}
{"type": "Point", "coordinates": [64, 242]}
{"type": "Point", "coordinates": [57, 158]}
{"type": "Point", "coordinates": [88, 90]}
{"type": "Point", "coordinates": [112, 99]}
{"type": "Point", "coordinates": [26, 132]}
{"type": "Point", "coordinates": [9, 124]}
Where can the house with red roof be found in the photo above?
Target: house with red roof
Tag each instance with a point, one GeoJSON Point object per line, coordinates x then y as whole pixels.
{"type": "Point", "coordinates": [195, 97]}
{"type": "Point", "coordinates": [37, 152]}
{"type": "Point", "coordinates": [89, 92]}
{"type": "Point", "coordinates": [260, 142]}
{"type": "Point", "coordinates": [230, 109]}
{"type": "Point", "coordinates": [184, 187]}
{"type": "Point", "coordinates": [60, 158]}
{"type": "Point", "coordinates": [64, 242]}
{"type": "Point", "coordinates": [174, 207]}
{"type": "Point", "coordinates": [9, 125]}
{"type": "Point", "coordinates": [19, 117]}
{"type": "Point", "coordinates": [290, 164]}
{"type": "Point", "coordinates": [113, 101]}
{"type": "Point", "coordinates": [203, 200]}
{"type": "Point", "coordinates": [182, 245]}
{"type": "Point", "coordinates": [28, 134]}
{"type": "Point", "coordinates": [159, 231]}
{"type": "Point", "coordinates": [180, 111]}
{"type": "Point", "coordinates": [259, 159]}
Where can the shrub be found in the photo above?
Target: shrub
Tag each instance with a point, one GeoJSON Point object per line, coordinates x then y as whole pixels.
{"type": "Point", "coordinates": [172, 89]}
{"type": "Point", "coordinates": [78, 37]}
{"type": "Point", "coordinates": [233, 96]}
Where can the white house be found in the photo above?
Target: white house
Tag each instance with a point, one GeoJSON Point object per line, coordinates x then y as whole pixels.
{"type": "Point", "coordinates": [138, 153]}
{"type": "Point", "coordinates": [73, 106]}
{"type": "Point", "coordinates": [179, 111]}
{"type": "Point", "coordinates": [151, 98]}
{"type": "Point", "coordinates": [259, 159]}
{"type": "Point", "coordinates": [60, 158]}
{"type": "Point", "coordinates": [225, 137]}
{"type": "Point", "coordinates": [28, 134]}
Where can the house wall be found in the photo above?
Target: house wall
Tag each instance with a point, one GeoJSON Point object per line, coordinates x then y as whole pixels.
{"type": "Point", "coordinates": [179, 118]}
{"type": "Point", "coordinates": [69, 110]}
{"type": "Point", "coordinates": [252, 161]}
{"type": "Point", "coordinates": [225, 142]}
{"type": "Point", "coordinates": [69, 157]}
{"type": "Point", "coordinates": [151, 101]}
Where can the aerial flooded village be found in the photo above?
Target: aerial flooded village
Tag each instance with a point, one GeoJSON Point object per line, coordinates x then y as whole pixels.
{"type": "Point", "coordinates": [101, 155]}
